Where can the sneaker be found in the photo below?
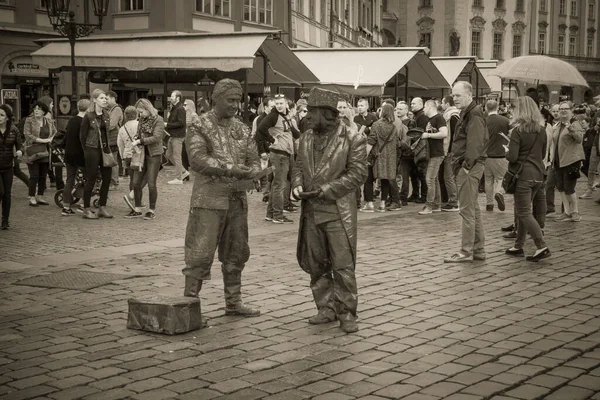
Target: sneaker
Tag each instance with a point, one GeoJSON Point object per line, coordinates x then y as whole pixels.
{"type": "Point", "coordinates": [586, 195]}
{"type": "Point", "coordinates": [80, 208]}
{"type": "Point", "coordinates": [134, 214]}
{"type": "Point", "coordinates": [499, 197]}
{"type": "Point", "coordinates": [438, 209]}
{"type": "Point", "coordinates": [33, 203]}
{"type": "Point", "coordinates": [290, 209]}
{"type": "Point", "coordinates": [509, 228]}
{"type": "Point", "coordinates": [450, 208]}
{"type": "Point", "coordinates": [539, 255]}
{"type": "Point", "coordinates": [5, 225]}
{"type": "Point", "coordinates": [458, 258]}
{"type": "Point", "coordinates": [66, 212]}
{"type": "Point", "coordinates": [489, 207]}
{"type": "Point", "coordinates": [175, 182]}
{"type": "Point", "coordinates": [42, 202]}
{"type": "Point", "coordinates": [404, 203]}
{"type": "Point", "coordinates": [421, 200]}
{"type": "Point", "coordinates": [269, 218]}
{"type": "Point", "coordinates": [514, 251]}
{"type": "Point", "coordinates": [563, 217]}
{"type": "Point", "coordinates": [282, 220]}
{"type": "Point", "coordinates": [510, 235]}
{"type": "Point", "coordinates": [425, 211]}
{"type": "Point", "coordinates": [412, 199]}
{"type": "Point", "coordinates": [185, 176]}
{"type": "Point", "coordinates": [129, 202]}
{"type": "Point", "coordinates": [367, 208]}
{"type": "Point", "coordinates": [575, 217]}
{"type": "Point", "coordinates": [380, 209]}
{"type": "Point", "coordinates": [394, 207]}
{"type": "Point", "coordinates": [149, 215]}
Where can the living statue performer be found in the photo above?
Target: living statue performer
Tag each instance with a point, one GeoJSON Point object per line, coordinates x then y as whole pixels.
{"type": "Point", "coordinates": [223, 157]}
{"type": "Point", "coordinates": [330, 166]}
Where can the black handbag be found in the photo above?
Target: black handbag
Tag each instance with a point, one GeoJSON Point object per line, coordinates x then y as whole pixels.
{"type": "Point", "coordinates": [509, 182]}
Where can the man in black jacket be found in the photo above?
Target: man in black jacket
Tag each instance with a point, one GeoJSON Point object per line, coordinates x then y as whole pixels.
{"type": "Point", "coordinates": [468, 159]}
{"type": "Point", "coordinates": [175, 126]}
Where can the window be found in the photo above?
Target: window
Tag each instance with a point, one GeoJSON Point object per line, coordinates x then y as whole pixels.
{"type": "Point", "coordinates": [221, 8]}
{"type": "Point", "coordinates": [300, 6]}
{"type": "Point", "coordinates": [590, 46]}
{"type": "Point", "coordinates": [543, 6]}
{"type": "Point", "coordinates": [520, 6]}
{"type": "Point", "coordinates": [311, 9]}
{"type": "Point", "coordinates": [425, 40]}
{"type": "Point", "coordinates": [132, 5]}
{"type": "Point", "coordinates": [500, 4]}
{"type": "Point", "coordinates": [324, 13]}
{"type": "Point", "coordinates": [476, 44]}
{"type": "Point", "coordinates": [542, 42]}
{"type": "Point", "coordinates": [260, 11]}
{"type": "Point", "coordinates": [477, 3]}
{"type": "Point", "coordinates": [561, 45]}
{"type": "Point", "coordinates": [573, 8]}
{"type": "Point", "coordinates": [517, 45]}
{"type": "Point", "coordinates": [425, 3]}
{"type": "Point", "coordinates": [497, 50]}
{"type": "Point", "coordinates": [572, 45]}
{"type": "Point", "coordinates": [591, 11]}
{"type": "Point", "coordinates": [562, 7]}
{"type": "Point", "coordinates": [384, 5]}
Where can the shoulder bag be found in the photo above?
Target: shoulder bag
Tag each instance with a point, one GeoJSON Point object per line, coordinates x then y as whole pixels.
{"type": "Point", "coordinates": [37, 151]}
{"type": "Point", "coordinates": [108, 160]}
{"type": "Point", "coordinates": [374, 154]}
{"type": "Point", "coordinates": [509, 182]}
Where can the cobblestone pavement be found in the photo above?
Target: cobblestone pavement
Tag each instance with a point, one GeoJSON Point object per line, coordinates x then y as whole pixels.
{"type": "Point", "coordinates": [499, 329]}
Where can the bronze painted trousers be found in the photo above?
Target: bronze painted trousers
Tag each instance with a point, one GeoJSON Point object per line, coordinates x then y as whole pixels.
{"type": "Point", "coordinates": [225, 230]}
{"type": "Point", "coordinates": [325, 254]}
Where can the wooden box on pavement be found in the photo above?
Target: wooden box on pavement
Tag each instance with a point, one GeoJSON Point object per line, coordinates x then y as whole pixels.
{"type": "Point", "coordinates": [168, 315]}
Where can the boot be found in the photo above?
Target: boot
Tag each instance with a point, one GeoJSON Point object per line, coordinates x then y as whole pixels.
{"type": "Point", "coordinates": [324, 316]}
{"type": "Point", "coordinates": [5, 225]}
{"type": "Point", "coordinates": [89, 214]}
{"type": "Point", "coordinates": [241, 310]}
{"type": "Point", "coordinates": [192, 286]}
{"type": "Point", "coordinates": [348, 323]}
{"type": "Point", "coordinates": [102, 213]}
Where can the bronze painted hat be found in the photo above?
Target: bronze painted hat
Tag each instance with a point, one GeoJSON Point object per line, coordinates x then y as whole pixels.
{"type": "Point", "coordinates": [323, 98]}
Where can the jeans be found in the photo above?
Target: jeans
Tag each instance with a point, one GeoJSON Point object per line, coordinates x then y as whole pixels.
{"type": "Point", "coordinates": [184, 157]}
{"type": "Point", "coordinates": [526, 193]}
{"type": "Point", "coordinates": [407, 167]}
{"type": "Point", "coordinates": [593, 168]}
{"type": "Point", "coordinates": [473, 237]}
{"type": "Point", "coordinates": [368, 187]}
{"type": "Point", "coordinates": [396, 184]}
{"type": "Point", "coordinates": [434, 194]}
{"type": "Point", "coordinates": [174, 152]}
{"type": "Point", "coordinates": [6, 181]}
{"type": "Point", "coordinates": [68, 189]}
{"type": "Point", "coordinates": [38, 171]}
{"type": "Point", "coordinates": [20, 174]}
{"type": "Point", "coordinates": [281, 162]}
{"type": "Point", "coordinates": [450, 181]}
{"type": "Point", "coordinates": [495, 168]}
{"type": "Point", "coordinates": [148, 173]}
{"type": "Point", "coordinates": [93, 161]}
{"type": "Point", "coordinates": [114, 177]}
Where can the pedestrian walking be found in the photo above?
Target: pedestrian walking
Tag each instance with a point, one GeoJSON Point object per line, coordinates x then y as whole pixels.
{"type": "Point", "coordinates": [176, 126]}
{"type": "Point", "coordinates": [10, 147]}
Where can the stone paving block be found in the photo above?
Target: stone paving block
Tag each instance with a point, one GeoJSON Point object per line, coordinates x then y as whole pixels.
{"type": "Point", "coordinates": [360, 389]}
{"type": "Point", "coordinates": [425, 379]}
{"type": "Point", "coordinates": [289, 395]}
{"type": "Point", "coordinates": [76, 392]}
{"type": "Point", "coordinates": [528, 392]}
{"type": "Point", "coordinates": [224, 374]}
{"type": "Point", "coordinates": [28, 393]}
{"type": "Point", "coordinates": [397, 391]}
{"type": "Point", "coordinates": [387, 378]}
{"type": "Point", "coordinates": [374, 368]}
{"type": "Point", "coordinates": [264, 376]}
{"type": "Point", "coordinates": [450, 369]}
{"type": "Point", "coordinates": [31, 381]}
{"type": "Point", "coordinates": [297, 366]}
{"type": "Point", "coordinates": [230, 385]}
{"type": "Point", "coordinates": [468, 378]}
{"type": "Point", "coordinates": [245, 394]}
{"type": "Point", "coordinates": [113, 394]}
{"type": "Point", "coordinates": [72, 381]}
{"type": "Point", "coordinates": [348, 377]}
{"type": "Point", "coordinates": [26, 372]}
{"type": "Point", "coordinates": [157, 394]}
{"type": "Point", "coordinates": [333, 396]}
{"type": "Point", "coordinates": [145, 373]}
{"type": "Point", "coordinates": [103, 372]}
{"type": "Point", "coordinates": [420, 396]}
{"type": "Point", "coordinates": [111, 383]}
{"type": "Point", "coordinates": [587, 382]}
{"type": "Point", "coordinates": [571, 393]}
{"type": "Point", "coordinates": [200, 394]}
{"type": "Point", "coordinates": [321, 387]}
{"type": "Point", "coordinates": [147, 384]}
{"type": "Point", "coordinates": [442, 389]}
{"type": "Point", "coordinates": [487, 388]}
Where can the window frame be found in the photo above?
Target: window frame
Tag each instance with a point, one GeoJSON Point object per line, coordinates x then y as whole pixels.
{"type": "Point", "coordinates": [562, 7]}
{"type": "Point", "coordinates": [561, 44]}
{"type": "Point", "coordinates": [572, 45]}
{"type": "Point", "coordinates": [520, 6]}
{"type": "Point", "coordinates": [497, 46]}
{"type": "Point", "coordinates": [543, 6]}
{"type": "Point", "coordinates": [212, 10]}
{"type": "Point", "coordinates": [573, 8]}
{"type": "Point", "coordinates": [477, 3]}
{"type": "Point", "coordinates": [426, 43]}
{"type": "Point", "coordinates": [590, 46]}
{"type": "Point", "coordinates": [312, 12]}
{"type": "Point", "coordinates": [542, 41]}
{"type": "Point", "coordinates": [591, 10]}
{"type": "Point", "coordinates": [122, 2]}
{"type": "Point", "coordinates": [500, 4]}
{"type": "Point", "coordinates": [254, 8]}
{"type": "Point", "coordinates": [426, 3]}
{"type": "Point", "coordinates": [476, 53]}
{"type": "Point", "coordinates": [517, 44]}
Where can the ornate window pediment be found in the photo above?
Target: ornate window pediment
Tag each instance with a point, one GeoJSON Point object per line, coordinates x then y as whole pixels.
{"type": "Point", "coordinates": [543, 25]}
{"type": "Point", "coordinates": [425, 24]}
{"type": "Point", "coordinates": [477, 23]}
{"type": "Point", "coordinates": [574, 28]}
{"type": "Point", "coordinates": [591, 31]}
{"type": "Point", "coordinates": [562, 28]}
{"type": "Point", "coordinates": [518, 28]}
{"type": "Point", "coordinates": [499, 25]}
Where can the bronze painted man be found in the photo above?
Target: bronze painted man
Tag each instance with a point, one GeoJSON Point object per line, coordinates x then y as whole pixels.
{"type": "Point", "coordinates": [330, 166]}
{"type": "Point", "coordinates": [222, 155]}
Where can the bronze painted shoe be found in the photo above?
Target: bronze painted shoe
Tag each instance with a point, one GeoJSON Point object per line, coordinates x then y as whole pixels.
{"type": "Point", "coordinates": [241, 310]}
{"type": "Point", "coordinates": [324, 316]}
{"type": "Point", "coordinates": [349, 326]}
{"type": "Point", "coordinates": [192, 287]}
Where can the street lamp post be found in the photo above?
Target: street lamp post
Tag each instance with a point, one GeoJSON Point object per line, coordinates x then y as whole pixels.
{"type": "Point", "coordinates": [63, 22]}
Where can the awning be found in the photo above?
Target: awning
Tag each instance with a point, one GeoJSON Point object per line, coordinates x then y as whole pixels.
{"type": "Point", "coordinates": [461, 69]}
{"type": "Point", "coordinates": [180, 50]}
{"type": "Point", "coordinates": [485, 66]}
{"type": "Point", "coordinates": [365, 71]}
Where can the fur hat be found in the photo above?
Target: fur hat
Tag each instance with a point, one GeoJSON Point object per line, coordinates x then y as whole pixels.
{"type": "Point", "coordinates": [323, 98]}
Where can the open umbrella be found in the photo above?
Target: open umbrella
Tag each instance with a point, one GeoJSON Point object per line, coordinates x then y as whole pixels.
{"type": "Point", "coordinates": [536, 69]}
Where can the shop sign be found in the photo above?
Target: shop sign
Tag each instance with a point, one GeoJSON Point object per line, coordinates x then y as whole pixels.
{"type": "Point", "coordinates": [22, 66]}
{"type": "Point", "coordinates": [64, 104]}
{"type": "Point", "coordinates": [10, 94]}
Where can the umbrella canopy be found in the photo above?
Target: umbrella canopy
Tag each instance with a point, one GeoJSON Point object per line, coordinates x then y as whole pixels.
{"type": "Point", "coordinates": [535, 69]}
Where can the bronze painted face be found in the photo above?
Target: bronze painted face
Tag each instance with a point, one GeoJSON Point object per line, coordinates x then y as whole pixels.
{"type": "Point", "coordinates": [227, 105]}
{"type": "Point", "coordinates": [321, 120]}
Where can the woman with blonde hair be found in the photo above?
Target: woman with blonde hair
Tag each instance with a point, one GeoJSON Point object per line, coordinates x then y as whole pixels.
{"type": "Point", "coordinates": [150, 133]}
{"type": "Point", "coordinates": [526, 152]}
{"type": "Point", "coordinates": [94, 139]}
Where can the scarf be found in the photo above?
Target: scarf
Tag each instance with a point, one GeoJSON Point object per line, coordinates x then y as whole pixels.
{"type": "Point", "coordinates": [147, 125]}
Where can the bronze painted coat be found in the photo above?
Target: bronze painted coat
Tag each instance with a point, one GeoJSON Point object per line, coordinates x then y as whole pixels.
{"type": "Point", "coordinates": [342, 170]}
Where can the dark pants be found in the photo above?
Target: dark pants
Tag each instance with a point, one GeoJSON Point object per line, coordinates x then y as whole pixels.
{"type": "Point", "coordinates": [421, 173]}
{"type": "Point", "coordinates": [68, 189]}
{"type": "Point", "coordinates": [385, 189]}
{"type": "Point", "coordinates": [55, 173]}
{"type": "Point", "coordinates": [368, 188]}
{"type": "Point", "coordinates": [184, 158]}
{"type": "Point", "coordinates": [526, 193]}
{"type": "Point", "coordinates": [550, 185]}
{"type": "Point", "coordinates": [93, 161]}
{"type": "Point", "coordinates": [38, 171]}
{"type": "Point", "coordinates": [225, 230]}
{"type": "Point", "coordinates": [149, 173]}
{"type": "Point", "coordinates": [325, 254]}
{"type": "Point", "coordinates": [409, 175]}
{"type": "Point", "coordinates": [281, 162]}
{"type": "Point", "coordinates": [6, 181]}
{"type": "Point", "coordinates": [395, 184]}
{"type": "Point", "coordinates": [20, 174]}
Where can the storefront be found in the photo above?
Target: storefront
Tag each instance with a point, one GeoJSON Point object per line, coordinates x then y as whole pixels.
{"type": "Point", "coordinates": [26, 80]}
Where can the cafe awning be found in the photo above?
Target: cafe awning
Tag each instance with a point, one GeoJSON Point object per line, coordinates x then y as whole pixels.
{"type": "Point", "coordinates": [461, 69]}
{"type": "Point", "coordinates": [181, 51]}
{"type": "Point", "coordinates": [365, 71]}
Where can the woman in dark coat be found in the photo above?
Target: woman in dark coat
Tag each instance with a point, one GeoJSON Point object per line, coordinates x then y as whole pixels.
{"type": "Point", "coordinates": [383, 139]}
{"type": "Point", "coordinates": [74, 157]}
{"type": "Point", "coordinates": [10, 145]}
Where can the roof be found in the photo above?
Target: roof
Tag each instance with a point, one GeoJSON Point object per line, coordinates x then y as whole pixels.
{"type": "Point", "coordinates": [179, 50]}
{"type": "Point", "coordinates": [364, 71]}
{"type": "Point", "coordinates": [460, 69]}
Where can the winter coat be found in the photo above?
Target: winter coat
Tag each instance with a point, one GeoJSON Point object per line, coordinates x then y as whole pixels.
{"type": "Point", "coordinates": [90, 129]}
{"type": "Point", "coordinates": [385, 165]}
{"type": "Point", "coordinates": [152, 139]}
{"type": "Point", "coordinates": [570, 148]}
{"type": "Point", "coordinates": [10, 142]}
{"type": "Point", "coordinates": [32, 130]}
